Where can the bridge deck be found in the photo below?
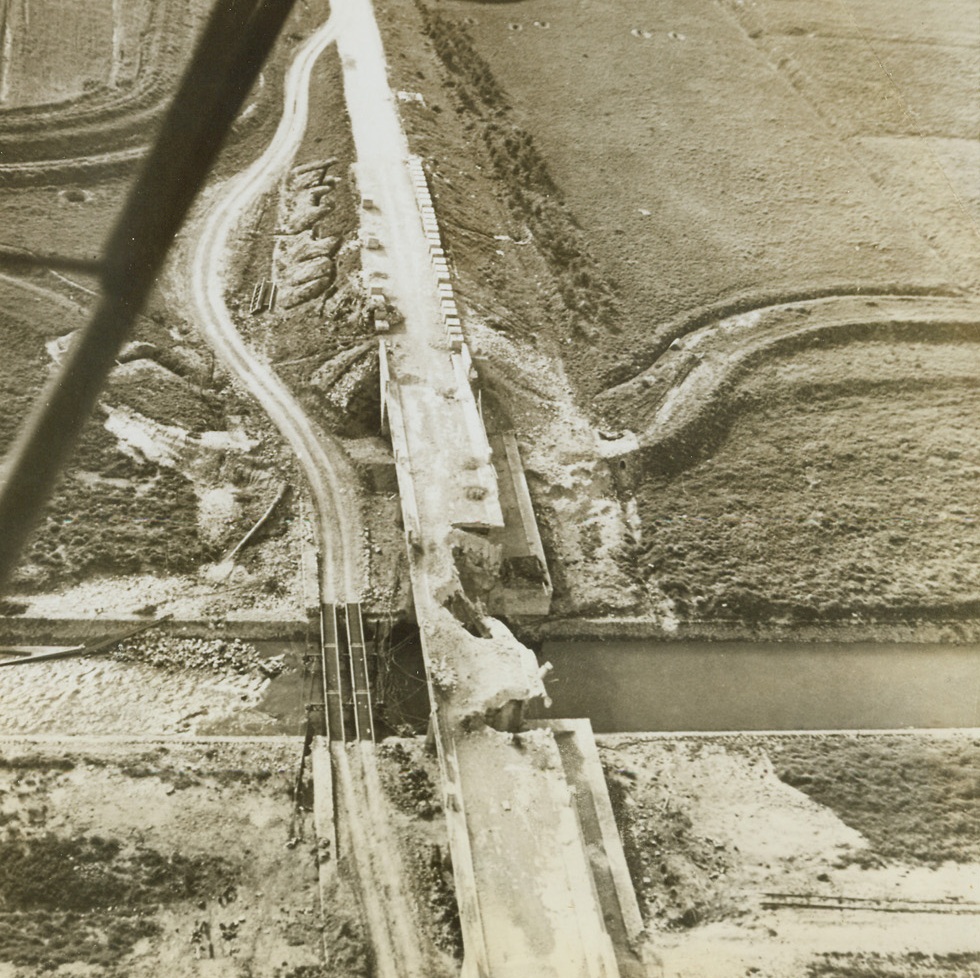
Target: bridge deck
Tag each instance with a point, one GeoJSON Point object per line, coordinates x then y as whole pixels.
{"type": "Point", "coordinates": [527, 900]}
{"type": "Point", "coordinates": [346, 673]}
{"type": "Point", "coordinates": [360, 673]}
{"type": "Point", "coordinates": [332, 673]}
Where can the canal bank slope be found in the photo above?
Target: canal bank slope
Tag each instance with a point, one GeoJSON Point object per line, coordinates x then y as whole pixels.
{"type": "Point", "coordinates": [871, 839]}
{"type": "Point", "coordinates": [833, 482]}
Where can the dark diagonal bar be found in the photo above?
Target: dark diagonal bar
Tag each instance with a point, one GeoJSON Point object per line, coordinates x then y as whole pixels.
{"type": "Point", "coordinates": [226, 62]}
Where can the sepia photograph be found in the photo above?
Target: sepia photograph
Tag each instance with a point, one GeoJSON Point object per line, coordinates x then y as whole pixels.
{"type": "Point", "coordinates": [490, 488]}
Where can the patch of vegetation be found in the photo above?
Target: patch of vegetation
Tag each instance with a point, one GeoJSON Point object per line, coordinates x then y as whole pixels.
{"type": "Point", "coordinates": [433, 870]}
{"type": "Point", "coordinates": [23, 331]}
{"type": "Point", "coordinates": [672, 867]}
{"type": "Point", "coordinates": [964, 964]}
{"type": "Point", "coordinates": [156, 392]}
{"type": "Point", "coordinates": [52, 873]}
{"type": "Point", "coordinates": [90, 899]}
{"type": "Point", "coordinates": [178, 778]}
{"type": "Point", "coordinates": [409, 785]}
{"type": "Point", "coordinates": [348, 951]}
{"type": "Point", "coordinates": [914, 800]}
{"type": "Point", "coordinates": [304, 971]}
{"type": "Point", "coordinates": [157, 764]}
{"type": "Point", "coordinates": [36, 762]}
{"type": "Point", "coordinates": [827, 499]}
{"type": "Point", "coordinates": [108, 528]}
{"type": "Point", "coordinates": [532, 193]}
{"type": "Point", "coordinates": [47, 940]}
{"type": "Point", "coordinates": [101, 519]}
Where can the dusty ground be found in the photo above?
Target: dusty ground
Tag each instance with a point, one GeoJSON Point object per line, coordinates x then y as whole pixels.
{"type": "Point", "coordinates": [205, 868]}
{"type": "Point", "coordinates": [711, 825]}
{"type": "Point", "coordinates": [162, 686]}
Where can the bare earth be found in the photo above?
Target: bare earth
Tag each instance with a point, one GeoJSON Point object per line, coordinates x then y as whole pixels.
{"type": "Point", "coordinates": [710, 829]}
{"type": "Point", "coordinates": [238, 898]}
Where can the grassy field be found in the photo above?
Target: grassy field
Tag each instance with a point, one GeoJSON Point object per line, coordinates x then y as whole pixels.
{"type": "Point", "coordinates": [844, 483]}
{"type": "Point", "coordinates": [48, 219]}
{"type": "Point", "coordinates": [124, 518]}
{"type": "Point", "coordinates": [898, 85]}
{"type": "Point", "coordinates": [60, 885]}
{"type": "Point", "coordinates": [42, 66]}
{"type": "Point", "coordinates": [916, 801]}
{"type": "Point", "coordinates": [729, 178]}
{"type": "Point", "coordinates": [648, 165]}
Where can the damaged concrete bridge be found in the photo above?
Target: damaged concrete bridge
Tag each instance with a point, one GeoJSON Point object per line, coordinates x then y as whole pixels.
{"type": "Point", "coordinates": [540, 876]}
{"type": "Point", "coordinates": [541, 879]}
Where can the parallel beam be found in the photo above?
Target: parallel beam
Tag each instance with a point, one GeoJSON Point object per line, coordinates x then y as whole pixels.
{"type": "Point", "coordinates": [346, 672]}
{"type": "Point", "coordinates": [332, 686]}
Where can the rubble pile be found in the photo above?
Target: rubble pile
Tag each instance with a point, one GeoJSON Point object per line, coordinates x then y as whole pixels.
{"type": "Point", "coordinates": [215, 655]}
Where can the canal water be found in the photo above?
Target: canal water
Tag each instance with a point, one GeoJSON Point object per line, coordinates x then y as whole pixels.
{"type": "Point", "coordinates": [285, 698]}
{"type": "Point", "coordinates": [648, 686]}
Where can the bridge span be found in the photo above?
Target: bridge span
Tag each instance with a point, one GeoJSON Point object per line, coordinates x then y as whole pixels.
{"type": "Point", "coordinates": [538, 883]}
{"type": "Point", "coordinates": [346, 673]}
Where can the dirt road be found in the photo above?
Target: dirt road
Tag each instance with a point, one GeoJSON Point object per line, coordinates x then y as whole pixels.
{"type": "Point", "coordinates": [373, 858]}
{"type": "Point", "coordinates": [337, 515]}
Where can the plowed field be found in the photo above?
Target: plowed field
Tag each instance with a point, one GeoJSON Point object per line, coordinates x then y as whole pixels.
{"type": "Point", "coordinates": [751, 144]}
{"type": "Point", "coordinates": [55, 52]}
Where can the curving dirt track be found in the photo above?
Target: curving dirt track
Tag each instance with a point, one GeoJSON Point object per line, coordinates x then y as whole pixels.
{"type": "Point", "coordinates": [668, 401]}
{"type": "Point", "coordinates": [338, 521]}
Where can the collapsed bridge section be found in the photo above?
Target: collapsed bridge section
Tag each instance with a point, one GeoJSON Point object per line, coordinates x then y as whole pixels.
{"type": "Point", "coordinates": [535, 880]}
{"type": "Point", "coordinates": [525, 886]}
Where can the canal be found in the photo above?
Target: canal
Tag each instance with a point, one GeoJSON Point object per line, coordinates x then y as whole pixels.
{"type": "Point", "coordinates": [647, 686]}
